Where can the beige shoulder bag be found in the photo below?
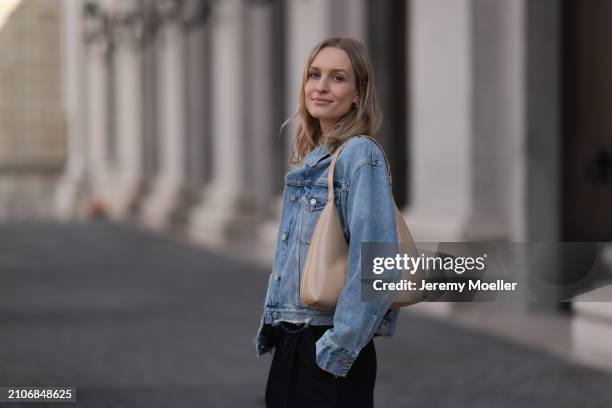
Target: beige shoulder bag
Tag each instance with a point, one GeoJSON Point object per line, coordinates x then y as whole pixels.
{"type": "Point", "coordinates": [324, 274]}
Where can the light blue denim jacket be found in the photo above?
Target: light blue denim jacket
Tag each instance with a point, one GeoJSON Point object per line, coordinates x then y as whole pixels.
{"type": "Point", "coordinates": [366, 209]}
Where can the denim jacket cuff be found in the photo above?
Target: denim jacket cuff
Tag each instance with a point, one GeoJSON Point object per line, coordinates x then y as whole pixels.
{"type": "Point", "coordinates": [333, 358]}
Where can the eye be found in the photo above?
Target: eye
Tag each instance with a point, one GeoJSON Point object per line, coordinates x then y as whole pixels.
{"type": "Point", "coordinates": [313, 75]}
{"type": "Point", "coordinates": [338, 78]}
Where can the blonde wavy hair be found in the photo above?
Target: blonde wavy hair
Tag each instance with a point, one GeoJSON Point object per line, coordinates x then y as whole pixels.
{"type": "Point", "coordinates": [363, 119]}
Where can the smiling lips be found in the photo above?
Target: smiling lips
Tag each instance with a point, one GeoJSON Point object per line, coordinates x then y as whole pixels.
{"type": "Point", "coordinates": [321, 100]}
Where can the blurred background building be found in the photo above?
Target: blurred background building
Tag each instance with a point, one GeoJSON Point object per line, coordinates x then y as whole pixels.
{"type": "Point", "coordinates": [497, 118]}
{"type": "Point", "coordinates": [32, 121]}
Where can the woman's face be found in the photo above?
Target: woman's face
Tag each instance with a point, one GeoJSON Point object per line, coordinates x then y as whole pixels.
{"type": "Point", "coordinates": [330, 87]}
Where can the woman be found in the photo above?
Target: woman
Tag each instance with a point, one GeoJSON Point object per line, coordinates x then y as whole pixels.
{"type": "Point", "coordinates": [327, 358]}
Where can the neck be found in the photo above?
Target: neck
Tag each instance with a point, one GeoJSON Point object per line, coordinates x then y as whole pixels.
{"type": "Point", "coordinates": [325, 125]}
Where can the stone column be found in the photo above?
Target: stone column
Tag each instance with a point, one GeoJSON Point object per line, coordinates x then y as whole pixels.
{"type": "Point", "coordinates": [227, 206]}
{"type": "Point", "coordinates": [71, 188]}
{"type": "Point", "coordinates": [128, 105]}
{"type": "Point", "coordinates": [165, 204]}
{"type": "Point", "coordinates": [149, 99]}
{"type": "Point", "coordinates": [98, 58]}
{"type": "Point", "coordinates": [466, 77]}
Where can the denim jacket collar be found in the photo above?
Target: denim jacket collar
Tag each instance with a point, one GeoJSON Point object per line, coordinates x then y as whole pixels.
{"type": "Point", "coordinates": [316, 155]}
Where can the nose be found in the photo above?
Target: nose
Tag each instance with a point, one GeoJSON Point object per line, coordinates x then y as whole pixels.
{"type": "Point", "coordinates": [321, 85]}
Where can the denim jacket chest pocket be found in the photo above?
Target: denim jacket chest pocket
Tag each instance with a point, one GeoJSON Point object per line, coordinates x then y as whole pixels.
{"type": "Point", "coordinates": [312, 204]}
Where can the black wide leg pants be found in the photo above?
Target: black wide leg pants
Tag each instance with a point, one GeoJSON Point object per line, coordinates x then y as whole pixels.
{"type": "Point", "coordinates": [295, 380]}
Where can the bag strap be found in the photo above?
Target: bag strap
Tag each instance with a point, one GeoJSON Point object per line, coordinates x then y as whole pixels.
{"type": "Point", "coordinates": [332, 166]}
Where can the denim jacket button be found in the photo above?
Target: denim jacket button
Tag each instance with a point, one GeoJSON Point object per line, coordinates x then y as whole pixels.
{"type": "Point", "coordinates": [292, 198]}
{"type": "Point", "coordinates": [284, 237]}
{"type": "Point", "coordinates": [313, 201]}
{"type": "Point", "coordinates": [277, 278]}
{"type": "Point", "coordinates": [275, 315]}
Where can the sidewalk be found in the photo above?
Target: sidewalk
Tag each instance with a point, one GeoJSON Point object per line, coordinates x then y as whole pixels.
{"type": "Point", "coordinates": [137, 320]}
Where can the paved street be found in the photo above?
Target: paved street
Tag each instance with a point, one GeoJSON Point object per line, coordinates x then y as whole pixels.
{"type": "Point", "coordinates": [133, 319]}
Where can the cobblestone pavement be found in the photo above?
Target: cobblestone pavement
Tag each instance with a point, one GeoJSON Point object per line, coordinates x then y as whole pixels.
{"type": "Point", "coordinates": [133, 319]}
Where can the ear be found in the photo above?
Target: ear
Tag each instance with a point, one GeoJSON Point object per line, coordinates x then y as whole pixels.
{"type": "Point", "coordinates": [356, 98]}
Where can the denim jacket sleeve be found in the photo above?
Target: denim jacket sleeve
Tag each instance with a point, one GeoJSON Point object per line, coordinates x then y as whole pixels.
{"type": "Point", "coordinates": [370, 217]}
